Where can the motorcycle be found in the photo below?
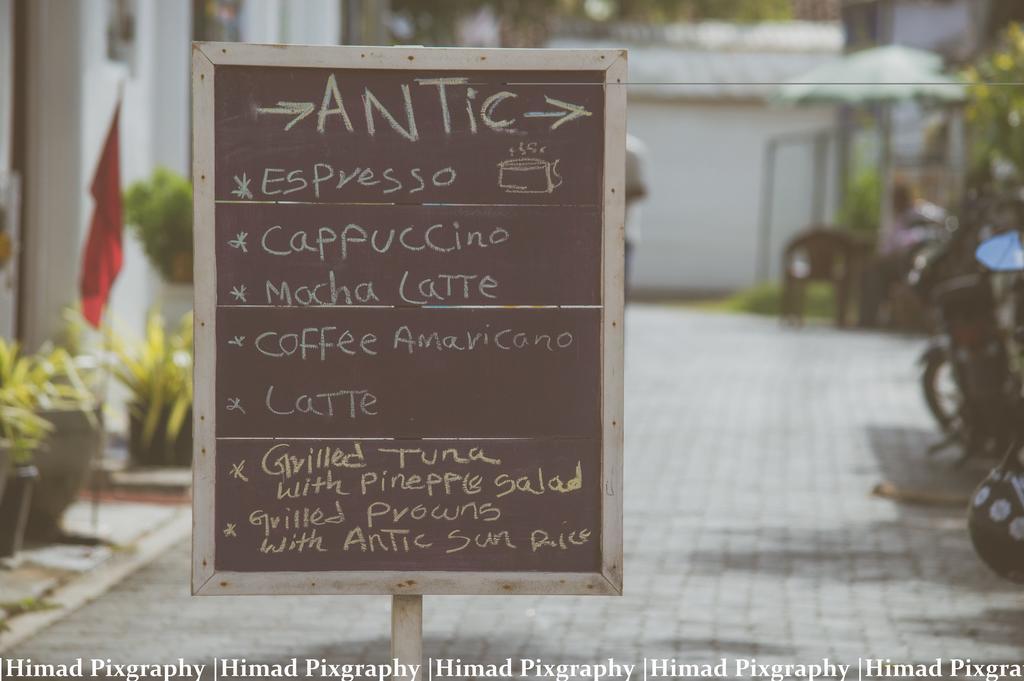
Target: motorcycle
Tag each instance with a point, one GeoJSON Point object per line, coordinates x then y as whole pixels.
{"type": "Point", "coordinates": [995, 517]}
{"type": "Point", "coordinates": [969, 380]}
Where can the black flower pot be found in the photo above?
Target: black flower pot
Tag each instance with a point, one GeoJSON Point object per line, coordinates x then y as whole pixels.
{"type": "Point", "coordinates": [14, 508]}
{"type": "Point", "coordinates": [160, 452]}
{"type": "Point", "coordinates": [5, 467]}
{"type": "Point", "coordinates": [63, 462]}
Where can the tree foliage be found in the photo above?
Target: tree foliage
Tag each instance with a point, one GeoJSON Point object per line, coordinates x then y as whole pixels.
{"type": "Point", "coordinates": [995, 111]}
{"type": "Point", "coordinates": [526, 22]}
{"type": "Point", "coordinates": [742, 11]}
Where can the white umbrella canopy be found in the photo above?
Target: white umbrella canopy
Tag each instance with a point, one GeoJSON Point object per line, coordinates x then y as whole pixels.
{"type": "Point", "coordinates": [890, 73]}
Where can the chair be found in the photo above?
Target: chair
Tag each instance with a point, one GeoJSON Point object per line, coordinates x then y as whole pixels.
{"type": "Point", "coordinates": [820, 253]}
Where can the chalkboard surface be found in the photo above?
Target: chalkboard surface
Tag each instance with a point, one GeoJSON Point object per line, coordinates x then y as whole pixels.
{"type": "Point", "coordinates": [408, 320]}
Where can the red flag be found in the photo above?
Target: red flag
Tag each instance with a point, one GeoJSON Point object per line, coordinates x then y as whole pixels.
{"type": "Point", "coordinates": [101, 261]}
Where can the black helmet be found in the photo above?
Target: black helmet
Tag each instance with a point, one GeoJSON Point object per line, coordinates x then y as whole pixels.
{"type": "Point", "coordinates": [995, 518]}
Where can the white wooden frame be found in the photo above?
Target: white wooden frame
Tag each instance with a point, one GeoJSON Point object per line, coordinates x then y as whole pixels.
{"type": "Point", "coordinates": [208, 581]}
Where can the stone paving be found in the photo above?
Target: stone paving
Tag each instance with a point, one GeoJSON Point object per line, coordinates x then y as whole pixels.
{"type": "Point", "coordinates": [751, 530]}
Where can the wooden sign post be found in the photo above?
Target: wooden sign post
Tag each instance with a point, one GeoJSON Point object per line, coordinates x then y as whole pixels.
{"type": "Point", "coordinates": [408, 314]}
{"type": "Point", "coordinates": [407, 629]}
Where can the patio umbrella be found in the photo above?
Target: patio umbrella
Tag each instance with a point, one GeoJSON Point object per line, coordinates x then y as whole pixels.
{"type": "Point", "coordinates": [892, 73]}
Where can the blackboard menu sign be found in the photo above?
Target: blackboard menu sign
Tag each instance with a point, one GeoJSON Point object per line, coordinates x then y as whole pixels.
{"type": "Point", "coordinates": [408, 314]}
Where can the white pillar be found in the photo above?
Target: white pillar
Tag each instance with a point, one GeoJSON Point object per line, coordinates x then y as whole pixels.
{"type": "Point", "coordinates": [172, 72]}
{"type": "Point", "coordinates": [313, 22]}
{"type": "Point", "coordinates": [261, 21]}
{"type": "Point", "coordinates": [55, 183]}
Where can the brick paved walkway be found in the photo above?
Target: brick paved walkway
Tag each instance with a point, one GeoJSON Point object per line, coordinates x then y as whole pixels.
{"type": "Point", "coordinates": [751, 531]}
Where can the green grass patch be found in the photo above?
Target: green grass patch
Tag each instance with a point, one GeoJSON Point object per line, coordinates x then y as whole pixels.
{"type": "Point", "coordinates": [22, 607]}
{"type": "Point", "coordinates": [26, 605]}
{"type": "Point", "coordinates": [766, 299]}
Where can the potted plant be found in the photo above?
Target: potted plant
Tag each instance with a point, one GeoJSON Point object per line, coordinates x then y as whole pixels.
{"type": "Point", "coordinates": [21, 433]}
{"type": "Point", "coordinates": [159, 212]}
{"type": "Point", "coordinates": [14, 507]}
{"type": "Point", "coordinates": [75, 441]}
{"type": "Point", "coordinates": [41, 395]}
{"type": "Point", "coordinates": [158, 373]}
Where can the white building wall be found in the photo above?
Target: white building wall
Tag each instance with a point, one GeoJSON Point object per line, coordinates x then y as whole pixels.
{"type": "Point", "coordinates": [155, 131]}
{"type": "Point", "coordinates": [136, 283]}
{"type": "Point", "coordinates": [309, 22]}
{"type": "Point", "coordinates": [701, 219]}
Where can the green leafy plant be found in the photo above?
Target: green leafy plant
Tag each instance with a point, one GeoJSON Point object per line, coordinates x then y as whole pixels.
{"type": "Point", "coordinates": [30, 384]}
{"type": "Point", "coordinates": [22, 430]}
{"type": "Point", "coordinates": [84, 345]}
{"type": "Point", "coordinates": [158, 372]}
{"type": "Point", "coordinates": [996, 114]}
{"type": "Point", "coordinates": [860, 208]}
{"type": "Point", "coordinates": [159, 211]}
{"type": "Point", "coordinates": [74, 332]}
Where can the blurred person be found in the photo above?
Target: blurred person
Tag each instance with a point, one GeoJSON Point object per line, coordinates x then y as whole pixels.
{"type": "Point", "coordinates": [636, 189]}
{"type": "Point", "coordinates": [912, 222]}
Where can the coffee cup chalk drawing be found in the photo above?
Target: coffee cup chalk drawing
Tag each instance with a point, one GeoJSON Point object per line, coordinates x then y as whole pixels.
{"type": "Point", "coordinates": [529, 175]}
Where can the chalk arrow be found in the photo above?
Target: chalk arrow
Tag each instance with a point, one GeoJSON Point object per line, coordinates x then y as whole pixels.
{"type": "Point", "coordinates": [298, 109]}
{"type": "Point", "coordinates": [569, 112]}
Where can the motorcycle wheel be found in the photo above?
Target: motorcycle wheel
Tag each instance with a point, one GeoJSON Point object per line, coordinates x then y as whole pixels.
{"type": "Point", "coordinates": [941, 392]}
